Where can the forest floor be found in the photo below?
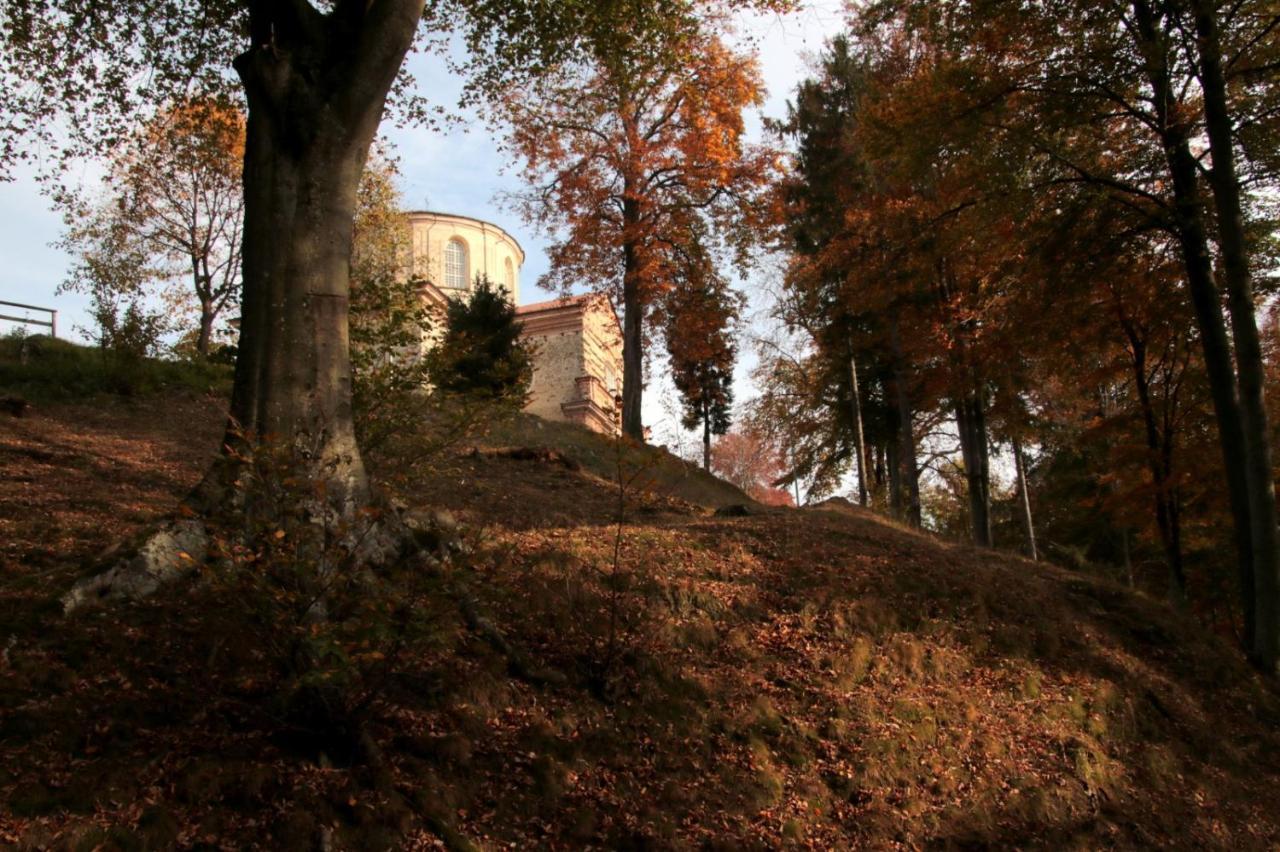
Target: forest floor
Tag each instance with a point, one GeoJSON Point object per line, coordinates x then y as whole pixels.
{"type": "Point", "coordinates": [814, 678]}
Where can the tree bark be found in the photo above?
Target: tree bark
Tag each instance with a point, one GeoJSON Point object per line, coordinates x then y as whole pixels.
{"type": "Point", "coordinates": [859, 439]}
{"type": "Point", "coordinates": [205, 337]}
{"type": "Point", "coordinates": [632, 330]}
{"type": "Point", "coordinates": [1024, 497]}
{"type": "Point", "coordinates": [316, 85]}
{"type": "Point", "coordinates": [909, 475]}
{"type": "Point", "coordinates": [971, 422]}
{"type": "Point", "coordinates": [706, 441]}
{"type": "Point", "coordinates": [1248, 348]}
{"type": "Point", "coordinates": [1191, 233]}
{"type": "Point", "coordinates": [1160, 463]}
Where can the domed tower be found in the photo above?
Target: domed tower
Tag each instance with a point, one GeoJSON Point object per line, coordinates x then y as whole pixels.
{"type": "Point", "coordinates": [451, 251]}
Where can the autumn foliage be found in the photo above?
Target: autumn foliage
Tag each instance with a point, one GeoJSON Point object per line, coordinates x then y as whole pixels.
{"type": "Point", "coordinates": [636, 162]}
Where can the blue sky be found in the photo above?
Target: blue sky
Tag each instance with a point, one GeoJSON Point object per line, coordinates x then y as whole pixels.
{"type": "Point", "coordinates": [459, 171]}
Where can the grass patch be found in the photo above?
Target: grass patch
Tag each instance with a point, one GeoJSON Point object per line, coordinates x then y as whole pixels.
{"type": "Point", "coordinates": [44, 369]}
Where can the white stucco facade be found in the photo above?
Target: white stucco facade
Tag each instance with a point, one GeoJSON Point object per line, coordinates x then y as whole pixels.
{"type": "Point", "coordinates": [450, 251]}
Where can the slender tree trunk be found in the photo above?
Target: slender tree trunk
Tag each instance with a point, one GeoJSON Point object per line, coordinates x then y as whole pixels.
{"type": "Point", "coordinates": [1126, 557]}
{"type": "Point", "coordinates": [632, 331]}
{"type": "Point", "coordinates": [1191, 233]}
{"type": "Point", "coordinates": [205, 337]}
{"type": "Point", "coordinates": [879, 470]}
{"type": "Point", "coordinates": [1024, 497]}
{"type": "Point", "coordinates": [971, 421]}
{"type": "Point", "coordinates": [859, 439]}
{"type": "Point", "coordinates": [906, 455]}
{"type": "Point", "coordinates": [1160, 458]}
{"type": "Point", "coordinates": [896, 503]}
{"type": "Point", "coordinates": [706, 441]}
{"type": "Point", "coordinates": [1248, 348]}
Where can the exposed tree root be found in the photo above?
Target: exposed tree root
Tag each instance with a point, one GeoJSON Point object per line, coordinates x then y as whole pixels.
{"type": "Point", "coordinates": [176, 549]}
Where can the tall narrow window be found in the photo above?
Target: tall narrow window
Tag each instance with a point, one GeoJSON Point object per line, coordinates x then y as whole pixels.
{"type": "Point", "coordinates": [509, 270]}
{"type": "Point", "coordinates": [455, 264]}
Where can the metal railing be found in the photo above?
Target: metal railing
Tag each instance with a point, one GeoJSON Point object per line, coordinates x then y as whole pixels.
{"type": "Point", "coordinates": [52, 324]}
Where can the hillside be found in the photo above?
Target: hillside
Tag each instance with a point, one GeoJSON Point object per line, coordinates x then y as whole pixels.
{"type": "Point", "coordinates": [814, 678]}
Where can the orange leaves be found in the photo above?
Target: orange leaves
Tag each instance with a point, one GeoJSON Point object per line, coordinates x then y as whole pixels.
{"type": "Point", "coordinates": [630, 155]}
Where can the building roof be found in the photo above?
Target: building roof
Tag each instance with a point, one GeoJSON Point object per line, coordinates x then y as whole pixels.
{"type": "Point", "coordinates": [552, 304]}
{"type": "Point", "coordinates": [436, 214]}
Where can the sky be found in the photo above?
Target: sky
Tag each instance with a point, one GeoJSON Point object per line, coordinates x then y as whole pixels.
{"type": "Point", "coordinates": [459, 171]}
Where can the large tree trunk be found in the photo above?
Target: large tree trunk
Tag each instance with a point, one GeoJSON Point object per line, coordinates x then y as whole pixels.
{"type": "Point", "coordinates": [316, 87]}
{"type": "Point", "coordinates": [1191, 233]}
{"type": "Point", "coordinates": [1248, 348]}
{"type": "Point", "coordinates": [316, 84]}
{"type": "Point", "coordinates": [971, 422]}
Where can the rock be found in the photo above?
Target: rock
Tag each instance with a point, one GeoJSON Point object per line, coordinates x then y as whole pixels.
{"type": "Point", "coordinates": [173, 551]}
{"type": "Point", "coordinates": [445, 520]}
{"type": "Point", "coordinates": [734, 510]}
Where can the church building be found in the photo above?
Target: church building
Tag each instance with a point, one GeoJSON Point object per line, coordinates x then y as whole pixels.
{"type": "Point", "coordinates": [576, 340]}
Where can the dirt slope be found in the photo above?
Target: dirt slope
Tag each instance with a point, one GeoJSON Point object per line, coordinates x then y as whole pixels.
{"type": "Point", "coordinates": [814, 678]}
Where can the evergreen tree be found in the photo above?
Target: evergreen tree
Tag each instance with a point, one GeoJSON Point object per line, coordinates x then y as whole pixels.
{"type": "Point", "coordinates": [481, 353]}
{"type": "Point", "coordinates": [700, 318]}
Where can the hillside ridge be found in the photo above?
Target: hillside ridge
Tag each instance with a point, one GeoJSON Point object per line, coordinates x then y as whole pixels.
{"type": "Point", "coordinates": [817, 678]}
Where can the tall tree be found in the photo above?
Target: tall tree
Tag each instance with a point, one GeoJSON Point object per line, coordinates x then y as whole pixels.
{"type": "Point", "coordinates": [315, 80]}
{"type": "Point", "coordinates": [174, 191]}
{"type": "Point", "coordinates": [631, 154]}
{"type": "Point", "coordinates": [1117, 96]}
{"type": "Point", "coordinates": [701, 314]}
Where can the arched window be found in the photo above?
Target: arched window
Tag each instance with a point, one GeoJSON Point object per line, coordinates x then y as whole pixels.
{"type": "Point", "coordinates": [509, 271]}
{"type": "Point", "coordinates": [455, 264]}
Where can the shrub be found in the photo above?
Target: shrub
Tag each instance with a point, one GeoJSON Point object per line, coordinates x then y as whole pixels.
{"type": "Point", "coordinates": [481, 353]}
{"type": "Point", "coordinates": [318, 611]}
{"type": "Point", "coordinates": [45, 368]}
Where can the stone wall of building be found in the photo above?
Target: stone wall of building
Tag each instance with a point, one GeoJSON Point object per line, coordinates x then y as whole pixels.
{"type": "Point", "coordinates": [557, 364]}
{"type": "Point", "coordinates": [577, 372]}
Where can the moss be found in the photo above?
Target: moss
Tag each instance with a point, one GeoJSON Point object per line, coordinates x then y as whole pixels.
{"type": "Point", "coordinates": [852, 668]}
{"type": "Point", "coordinates": [1092, 767]}
{"type": "Point", "coordinates": [1160, 765]}
{"type": "Point", "coordinates": [202, 781]}
{"type": "Point", "coordinates": [1031, 686]}
{"type": "Point", "coordinates": [296, 831]}
{"type": "Point", "coordinates": [768, 787]}
{"type": "Point", "coordinates": [700, 634]}
{"type": "Point", "coordinates": [765, 718]}
{"type": "Point", "coordinates": [549, 777]}
{"type": "Point", "coordinates": [907, 655]}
